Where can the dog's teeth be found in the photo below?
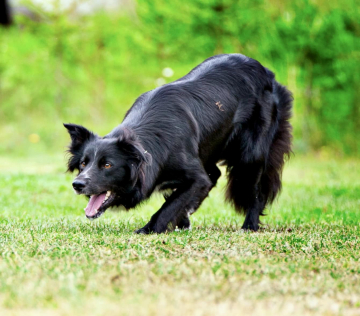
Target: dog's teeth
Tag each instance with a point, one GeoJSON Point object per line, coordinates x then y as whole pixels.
{"type": "Point", "coordinates": [108, 193]}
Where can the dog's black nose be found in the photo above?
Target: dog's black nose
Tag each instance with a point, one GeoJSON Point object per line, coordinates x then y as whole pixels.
{"type": "Point", "coordinates": [78, 185]}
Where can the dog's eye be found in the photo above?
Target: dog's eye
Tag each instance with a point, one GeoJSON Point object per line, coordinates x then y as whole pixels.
{"type": "Point", "coordinates": [107, 166]}
{"type": "Point", "coordinates": [83, 164]}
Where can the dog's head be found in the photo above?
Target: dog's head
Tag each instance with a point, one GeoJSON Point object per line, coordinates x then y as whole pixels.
{"type": "Point", "coordinates": [110, 169]}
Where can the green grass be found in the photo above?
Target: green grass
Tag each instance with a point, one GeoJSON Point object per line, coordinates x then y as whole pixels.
{"type": "Point", "coordinates": [306, 259]}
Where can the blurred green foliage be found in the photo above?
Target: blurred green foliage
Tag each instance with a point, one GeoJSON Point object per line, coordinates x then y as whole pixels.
{"type": "Point", "coordinates": [90, 69]}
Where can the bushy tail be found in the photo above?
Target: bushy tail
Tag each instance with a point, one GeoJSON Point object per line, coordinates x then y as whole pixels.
{"type": "Point", "coordinates": [259, 180]}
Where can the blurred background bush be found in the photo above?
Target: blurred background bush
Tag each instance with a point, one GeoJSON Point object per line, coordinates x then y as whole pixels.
{"type": "Point", "coordinates": [87, 61]}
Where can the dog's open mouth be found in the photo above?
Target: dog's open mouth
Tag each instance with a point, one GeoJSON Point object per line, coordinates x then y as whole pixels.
{"type": "Point", "coordinates": [98, 204]}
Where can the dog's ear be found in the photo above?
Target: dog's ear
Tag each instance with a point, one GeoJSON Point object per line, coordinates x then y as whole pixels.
{"type": "Point", "coordinates": [79, 136]}
{"type": "Point", "coordinates": [137, 156]}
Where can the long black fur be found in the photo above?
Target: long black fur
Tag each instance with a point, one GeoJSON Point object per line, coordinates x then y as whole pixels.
{"type": "Point", "coordinates": [5, 15]}
{"type": "Point", "coordinates": [229, 109]}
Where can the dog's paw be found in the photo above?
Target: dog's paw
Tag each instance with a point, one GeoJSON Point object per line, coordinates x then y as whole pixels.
{"type": "Point", "coordinates": [143, 231]}
{"type": "Point", "coordinates": [152, 229]}
{"type": "Point", "coordinates": [184, 223]}
{"type": "Point", "coordinates": [250, 227]}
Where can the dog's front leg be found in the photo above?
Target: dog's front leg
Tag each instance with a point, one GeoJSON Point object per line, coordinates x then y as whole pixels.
{"type": "Point", "coordinates": [183, 202]}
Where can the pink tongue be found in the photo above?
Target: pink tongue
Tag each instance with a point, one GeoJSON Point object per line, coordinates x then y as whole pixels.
{"type": "Point", "coordinates": [94, 203]}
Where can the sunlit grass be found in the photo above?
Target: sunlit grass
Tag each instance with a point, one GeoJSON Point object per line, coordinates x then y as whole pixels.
{"type": "Point", "coordinates": [305, 260]}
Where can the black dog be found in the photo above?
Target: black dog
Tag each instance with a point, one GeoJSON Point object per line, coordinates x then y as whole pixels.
{"type": "Point", "coordinates": [229, 109]}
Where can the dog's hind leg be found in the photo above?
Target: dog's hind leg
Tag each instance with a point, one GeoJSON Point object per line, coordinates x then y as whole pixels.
{"type": "Point", "coordinates": [254, 209]}
{"type": "Point", "coordinates": [244, 192]}
{"type": "Point", "coordinates": [182, 202]}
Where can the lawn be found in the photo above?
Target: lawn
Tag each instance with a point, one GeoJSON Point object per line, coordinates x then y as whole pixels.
{"type": "Point", "coordinates": [305, 260]}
